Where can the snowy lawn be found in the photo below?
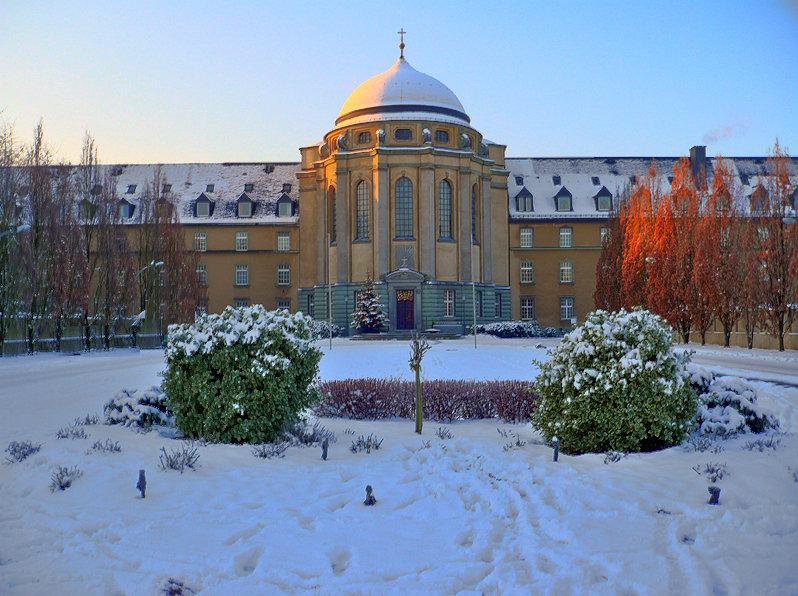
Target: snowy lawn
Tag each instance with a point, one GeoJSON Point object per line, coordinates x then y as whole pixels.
{"type": "Point", "coordinates": [477, 513]}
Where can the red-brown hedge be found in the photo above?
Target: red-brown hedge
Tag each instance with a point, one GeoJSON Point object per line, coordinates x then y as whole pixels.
{"type": "Point", "coordinates": [444, 400]}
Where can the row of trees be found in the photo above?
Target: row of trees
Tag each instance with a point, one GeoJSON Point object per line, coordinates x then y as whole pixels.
{"type": "Point", "coordinates": [697, 254]}
{"type": "Point", "coordinates": [66, 259]}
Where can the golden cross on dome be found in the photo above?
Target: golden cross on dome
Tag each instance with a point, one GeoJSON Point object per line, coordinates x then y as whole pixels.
{"type": "Point", "coordinates": [401, 33]}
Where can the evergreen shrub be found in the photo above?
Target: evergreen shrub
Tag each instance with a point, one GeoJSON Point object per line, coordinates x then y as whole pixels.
{"type": "Point", "coordinates": [615, 383]}
{"type": "Point", "coordinates": [518, 329]}
{"type": "Point", "coordinates": [242, 376]}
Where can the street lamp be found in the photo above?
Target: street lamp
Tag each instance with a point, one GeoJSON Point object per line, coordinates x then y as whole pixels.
{"type": "Point", "coordinates": [17, 230]}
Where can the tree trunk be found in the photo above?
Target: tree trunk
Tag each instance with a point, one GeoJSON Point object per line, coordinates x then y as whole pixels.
{"type": "Point", "coordinates": [726, 335]}
{"type": "Point", "coordinates": [106, 337]}
{"type": "Point", "coordinates": [59, 332]}
{"type": "Point", "coordinates": [86, 332]}
{"type": "Point", "coordinates": [419, 404]}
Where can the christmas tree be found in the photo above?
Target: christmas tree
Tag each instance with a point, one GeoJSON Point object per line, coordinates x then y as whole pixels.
{"type": "Point", "coordinates": [368, 315]}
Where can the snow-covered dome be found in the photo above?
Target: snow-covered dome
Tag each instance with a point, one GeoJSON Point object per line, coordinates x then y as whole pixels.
{"type": "Point", "coordinates": [402, 93]}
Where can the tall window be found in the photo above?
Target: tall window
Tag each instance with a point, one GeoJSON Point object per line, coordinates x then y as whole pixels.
{"type": "Point", "coordinates": [527, 272]}
{"type": "Point", "coordinates": [566, 237]}
{"type": "Point", "coordinates": [474, 212]}
{"type": "Point", "coordinates": [497, 305]}
{"type": "Point", "coordinates": [527, 307]}
{"type": "Point", "coordinates": [310, 306]}
{"type": "Point", "coordinates": [478, 297]}
{"type": "Point", "coordinates": [332, 223]}
{"type": "Point", "coordinates": [527, 237]}
{"type": "Point", "coordinates": [445, 210]}
{"type": "Point", "coordinates": [448, 303]}
{"type": "Point", "coordinates": [242, 241]}
{"type": "Point", "coordinates": [283, 274]}
{"type": "Point", "coordinates": [566, 307]}
{"type": "Point", "coordinates": [242, 275]}
{"type": "Point", "coordinates": [283, 241]}
{"type": "Point", "coordinates": [524, 203]}
{"type": "Point", "coordinates": [566, 271]}
{"type": "Point", "coordinates": [362, 200]}
{"type": "Point", "coordinates": [202, 275]}
{"type": "Point", "coordinates": [404, 208]}
{"type": "Point", "coordinates": [200, 241]}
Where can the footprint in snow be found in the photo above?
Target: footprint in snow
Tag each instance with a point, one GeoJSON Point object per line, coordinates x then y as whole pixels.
{"type": "Point", "coordinates": [339, 557]}
{"type": "Point", "coordinates": [247, 562]}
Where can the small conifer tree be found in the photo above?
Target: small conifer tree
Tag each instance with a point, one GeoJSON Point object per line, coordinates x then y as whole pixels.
{"type": "Point", "coordinates": [368, 315]}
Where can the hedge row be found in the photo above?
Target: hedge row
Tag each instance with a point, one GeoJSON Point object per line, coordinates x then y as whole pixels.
{"type": "Point", "coordinates": [444, 400]}
{"type": "Point", "coordinates": [518, 329]}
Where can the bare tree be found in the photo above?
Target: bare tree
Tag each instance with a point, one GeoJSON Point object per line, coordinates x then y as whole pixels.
{"type": "Point", "coordinates": [10, 203]}
{"type": "Point", "coordinates": [88, 188]}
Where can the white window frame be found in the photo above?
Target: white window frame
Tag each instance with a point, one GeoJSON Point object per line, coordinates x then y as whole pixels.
{"type": "Point", "coordinates": [284, 209]}
{"type": "Point", "coordinates": [242, 241]}
{"type": "Point", "coordinates": [604, 203]}
{"type": "Point", "coordinates": [202, 274]}
{"type": "Point", "coordinates": [566, 237]}
{"type": "Point", "coordinates": [566, 271]}
{"type": "Point", "coordinates": [283, 241]}
{"type": "Point", "coordinates": [566, 308]}
{"type": "Point", "coordinates": [286, 305]}
{"type": "Point", "coordinates": [242, 274]}
{"type": "Point", "coordinates": [283, 274]}
{"type": "Point", "coordinates": [201, 241]}
{"type": "Point", "coordinates": [527, 307]}
{"type": "Point", "coordinates": [527, 272]}
{"type": "Point", "coordinates": [527, 237]}
{"type": "Point", "coordinates": [448, 303]}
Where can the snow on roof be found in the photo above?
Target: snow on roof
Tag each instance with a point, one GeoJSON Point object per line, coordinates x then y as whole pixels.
{"type": "Point", "coordinates": [228, 181]}
{"type": "Point", "coordinates": [538, 176]}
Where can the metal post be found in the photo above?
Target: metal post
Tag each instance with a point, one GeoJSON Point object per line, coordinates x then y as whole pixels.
{"type": "Point", "coordinates": [329, 287]}
{"type": "Point", "coordinates": [474, 294]}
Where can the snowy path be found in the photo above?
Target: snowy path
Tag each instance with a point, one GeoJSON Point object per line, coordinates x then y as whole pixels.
{"type": "Point", "coordinates": [460, 516]}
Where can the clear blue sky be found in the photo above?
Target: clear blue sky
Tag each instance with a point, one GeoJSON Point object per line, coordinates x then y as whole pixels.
{"type": "Point", "coordinates": [253, 81]}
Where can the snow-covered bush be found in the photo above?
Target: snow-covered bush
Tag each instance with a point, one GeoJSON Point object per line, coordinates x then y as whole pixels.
{"type": "Point", "coordinates": [518, 329]}
{"type": "Point", "coordinates": [63, 477]}
{"type": "Point", "coordinates": [615, 383]}
{"type": "Point", "coordinates": [139, 408]}
{"type": "Point", "coordinates": [242, 376]}
{"type": "Point", "coordinates": [108, 446]}
{"type": "Point", "coordinates": [727, 406]}
{"type": "Point", "coordinates": [71, 432]}
{"type": "Point", "coordinates": [444, 399]}
{"type": "Point", "coordinates": [17, 452]}
{"type": "Point", "coordinates": [366, 444]}
{"type": "Point", "coordinates": [185, 456]}
{"type": "Point", "coordinates": [320, 329]}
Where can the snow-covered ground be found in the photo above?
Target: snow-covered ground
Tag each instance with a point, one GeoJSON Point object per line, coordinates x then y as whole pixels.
{"type": "Point", "coordinates": [461, 515]}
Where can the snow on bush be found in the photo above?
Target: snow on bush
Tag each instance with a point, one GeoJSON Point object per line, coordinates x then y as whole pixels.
{"type": "Point", "coordinates": [17, 452]}
{"type": "Point", "coordinates": [320, 329]}
{"type": "Point", "coordinates": [242, 376]}
{"type": "Point", "coordinates": [727, 406]}
{"type": "Point", "coordinates": [139, 408]}
{"type": "Point", "coordinates": [518, 329]}
{"type": "Point", "coordinates": [63, 477]}
{"type": "Point", "coordinates": [179, 459]}
{"type": "Point", "coordinates": [615, 383]}
{"type": "Point", "coordinates": [444, 400]}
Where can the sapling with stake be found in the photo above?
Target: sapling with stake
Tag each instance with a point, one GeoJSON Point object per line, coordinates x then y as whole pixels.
{"type": "Point", "coordinates": [417, 350]}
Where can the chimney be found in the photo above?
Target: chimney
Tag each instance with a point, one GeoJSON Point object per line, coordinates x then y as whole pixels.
{"type": "Point", "coordinates": [698, 165]}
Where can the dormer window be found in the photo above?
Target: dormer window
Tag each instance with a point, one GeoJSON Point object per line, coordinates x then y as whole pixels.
{"type": "Point", "coordinates": [523, 201]}
{"type": "Point", "coordinates": [403, 134]}
{"type": "Point", "coordinates": [286, 188]}
{"type": "Point", "coordinates": [244, 206]}
{"type": "Point", "coordinates": [202, 206]}
{"type": "Point", "coordinates": [364, 138]}
{"type": "Point", "coordinates": [284, 207]}
{"type": "Point", "coordinates": [633, 179]}
{"type": "Point", "coordinates": [131, 188]}
{"type": "Point", "coordinates": [249, 187]}
{"type": "Point", "coordinates": [744, 179]}
{"type": "Point", "coordinates": [595, 180]}
{"type": "Point", "coordinates": [519, 180]}
{"type": "Point", "coordinates": [555, 180]}
{"type": "Point", "coordinates": [563, 200]}
{"type": "Point", "coordinates": [125, 209]}
{"type": "Point", "coordinates": [603, 199]}
{"type": "Point", "coordinates": [209, 188]}
{"type": "Point", "coordinates": [441, 136]}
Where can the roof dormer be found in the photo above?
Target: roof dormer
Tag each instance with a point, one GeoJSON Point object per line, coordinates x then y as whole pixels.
{"type": "Point", "coordinates": [563, 200]}
{"type": "Point", "coordinates": [203, 206]}
{"type": "Point", "coordinates": [244, 206]}
{"type": "Point", "coordinates": [126, 209]}
{"type": "Point", "coordinates": [524, 201]}
{"type": "Point", "coordinates": [285, 206]}
{"type": "Point", "coordinates": [603, 199]}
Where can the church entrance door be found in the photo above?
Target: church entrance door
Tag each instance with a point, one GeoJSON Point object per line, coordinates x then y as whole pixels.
{"type": "Point", "coordinates": [404, 309]}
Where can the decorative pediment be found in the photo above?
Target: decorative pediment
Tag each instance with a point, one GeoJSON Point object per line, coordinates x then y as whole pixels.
{"type": "Point", "coordinates": [403, 274]}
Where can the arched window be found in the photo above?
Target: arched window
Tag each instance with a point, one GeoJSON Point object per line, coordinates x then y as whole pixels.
{"type": "Point", "coordinates": [331, 211]}
{"type": "Point", "coordinates": [362, 211]}
{"type": "Point", "coordinates": [404, 208]}
{"type": "Point", "coordinates": [445, 210]}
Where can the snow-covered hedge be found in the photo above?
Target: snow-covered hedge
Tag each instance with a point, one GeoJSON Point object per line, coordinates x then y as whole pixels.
{"type": "Point", "coordinates": [615, 383]}
{"type": "Point", "coordinates": [728, 406]}
{"type": "Point", "coordinates": [518, 329]}
{"type": "Point", "coordinates": [138, 408]}
{"type": "Point", "coordinates": [241, 376]}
